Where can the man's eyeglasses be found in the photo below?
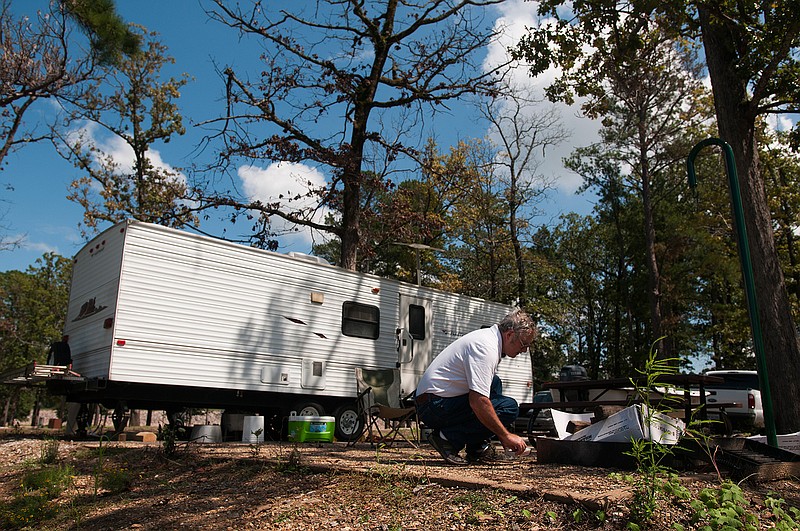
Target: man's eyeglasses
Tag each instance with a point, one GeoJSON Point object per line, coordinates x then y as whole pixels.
{"type": "Point", "coordinates": [523, 343]}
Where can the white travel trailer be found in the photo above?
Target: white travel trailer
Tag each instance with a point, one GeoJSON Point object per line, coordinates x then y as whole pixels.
{"type": "Point", "coordinates": [163, 319]}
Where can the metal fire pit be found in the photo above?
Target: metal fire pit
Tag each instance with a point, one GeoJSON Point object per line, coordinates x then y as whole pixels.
{"type": "Point", "coordinates": [755, 461]}
{"type": "Point", "coordinates": [585, 453]}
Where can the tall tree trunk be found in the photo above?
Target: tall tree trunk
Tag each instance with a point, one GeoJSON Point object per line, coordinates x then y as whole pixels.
{"type": "Point", "coordinates": [736, 115]}
{"type": "Point", "coordinates": [351, 233]}
{"type": "Point", "coordinates": [522, 288]}
{"type": "Point", "coordinates": [653, 275]}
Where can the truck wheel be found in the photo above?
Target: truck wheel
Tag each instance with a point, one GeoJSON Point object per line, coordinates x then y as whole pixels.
{"type": "Point", "coordinates": [349, 424]}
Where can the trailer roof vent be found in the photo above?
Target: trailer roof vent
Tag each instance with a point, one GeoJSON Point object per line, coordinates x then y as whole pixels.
{"type": "Point", "coordinates": [308, 258]}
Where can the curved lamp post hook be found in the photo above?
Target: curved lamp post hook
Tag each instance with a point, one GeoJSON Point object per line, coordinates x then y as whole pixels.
{"type": "Point", "coordinates": [747, 273]}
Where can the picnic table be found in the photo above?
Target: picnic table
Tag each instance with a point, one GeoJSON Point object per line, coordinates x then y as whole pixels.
{"type": "Point", "coordinates": [673, 390]}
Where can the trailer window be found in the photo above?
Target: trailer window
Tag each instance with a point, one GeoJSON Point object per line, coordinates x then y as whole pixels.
{"type": "Point", "coordinates": [416, 321]}
{"type": "Point", "coordinates": [361, 320]}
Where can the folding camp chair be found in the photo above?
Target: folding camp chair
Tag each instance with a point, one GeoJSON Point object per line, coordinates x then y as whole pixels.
{"type": "Point", "coordinates": [380, 405]}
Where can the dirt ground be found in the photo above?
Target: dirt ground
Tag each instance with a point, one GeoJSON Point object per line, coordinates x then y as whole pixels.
{"type": "Point", "coordinates": [332, 486]}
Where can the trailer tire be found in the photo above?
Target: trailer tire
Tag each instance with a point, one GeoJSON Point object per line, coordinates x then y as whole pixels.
{"type": "Point", "coordinates": [349, 423]}
{"type": "Point", "coordinates": [308, 409]}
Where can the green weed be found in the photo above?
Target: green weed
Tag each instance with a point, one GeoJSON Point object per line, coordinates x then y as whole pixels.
{"type": "Point", "coordinates": [49, 481]}
{"type": "Point", "coordinates": [115, 480]}
{"type": "Point", "coordinates": [25, 510]}
{"type": "Point", "coordinates": [49, 452]}
{"type": "Point", "coordinates": [719, 508]}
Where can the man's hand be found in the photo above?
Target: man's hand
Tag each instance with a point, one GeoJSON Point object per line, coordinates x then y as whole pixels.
{"type": "Point", "coordinates": [515, 443]}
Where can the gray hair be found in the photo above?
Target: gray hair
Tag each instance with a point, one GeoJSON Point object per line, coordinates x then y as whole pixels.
{"type": "Point", "coordinates": [517, 320]}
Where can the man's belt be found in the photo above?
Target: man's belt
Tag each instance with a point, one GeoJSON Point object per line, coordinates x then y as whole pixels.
{"type": "Point", "coordinates": [423, 398]}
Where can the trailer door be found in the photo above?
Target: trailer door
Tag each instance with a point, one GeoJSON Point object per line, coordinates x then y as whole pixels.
{"type": "Point", "coordinates": [414, 340]}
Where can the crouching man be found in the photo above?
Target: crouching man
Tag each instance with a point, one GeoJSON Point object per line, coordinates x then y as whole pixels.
{"type": "Point", "coordinates": [460, 396]}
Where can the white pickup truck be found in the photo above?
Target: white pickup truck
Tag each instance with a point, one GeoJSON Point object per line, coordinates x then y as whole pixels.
{"type": "Point", "coordinates": [740, 387]}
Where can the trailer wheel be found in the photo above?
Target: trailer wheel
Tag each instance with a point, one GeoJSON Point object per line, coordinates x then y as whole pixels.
{"type": "Point", "coordinates": [308, 409]}
{"type": "Point", "coordinates": [349, 424]}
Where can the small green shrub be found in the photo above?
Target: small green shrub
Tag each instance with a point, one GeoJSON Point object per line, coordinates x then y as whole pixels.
{"type": "Point", "coordinates": [49, 481]}
{"type": "Point", "coordinates": [116, 480]}
{"type": "Point", "coordinates": [169, 436]}
{"type": "Point", "coordinates": [24, 511]}
{"type": "Point", "coordinates": [49, 452]}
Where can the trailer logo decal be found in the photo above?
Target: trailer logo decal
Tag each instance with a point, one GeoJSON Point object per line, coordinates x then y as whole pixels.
{"type": "Point", "coordinates": [89, 308]}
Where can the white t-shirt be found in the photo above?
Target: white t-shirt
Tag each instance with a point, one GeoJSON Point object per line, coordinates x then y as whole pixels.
{"type": "Point", "coordinates": [467, 364]}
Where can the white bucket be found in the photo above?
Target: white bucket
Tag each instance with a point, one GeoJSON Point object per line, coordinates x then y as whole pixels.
{"type": "Point", "coordinates": [206, 434]}
{"type": "Point", "coordinates": [253, 425]}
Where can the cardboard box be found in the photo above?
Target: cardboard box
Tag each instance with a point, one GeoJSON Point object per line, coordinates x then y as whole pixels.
{"type": "Point", "coordinates": [633, 423]}
{"type": "Point", "coordinates": [789, 442]}
{"type": "Point", "coordinates": [561, 419]}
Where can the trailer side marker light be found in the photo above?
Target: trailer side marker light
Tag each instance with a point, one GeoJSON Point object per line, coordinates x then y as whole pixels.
{"type": "Point", "coordinates": [376, 290]}
{"type": "Point", "coordinates": [120, 342]}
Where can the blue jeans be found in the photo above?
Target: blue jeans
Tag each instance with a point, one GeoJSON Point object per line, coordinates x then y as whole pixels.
{"type": "Point", "coordinates": [454, 418]}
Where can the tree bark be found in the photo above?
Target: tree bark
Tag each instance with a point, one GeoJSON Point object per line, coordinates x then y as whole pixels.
{"type": "Point", "coordinates": [653, 273]}
{"type": "Point", "coordinates": [736, 117]}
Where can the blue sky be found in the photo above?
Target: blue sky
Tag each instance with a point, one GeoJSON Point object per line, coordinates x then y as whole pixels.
{"type": "Point", "coordinates": [37, 211]}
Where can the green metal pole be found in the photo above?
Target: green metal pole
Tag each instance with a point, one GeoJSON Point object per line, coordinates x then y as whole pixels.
{"type": "Point", "coordinates": [747, 273]}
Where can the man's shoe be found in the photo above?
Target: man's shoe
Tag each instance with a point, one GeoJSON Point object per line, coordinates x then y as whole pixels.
{"type": "Point", "coordinates": [446, 450]}
{"type": "Point", "coordinates": [488, 455]}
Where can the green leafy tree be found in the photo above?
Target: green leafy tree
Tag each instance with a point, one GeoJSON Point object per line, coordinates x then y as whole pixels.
{"type": "Point", "coordinates": [110, 37]}
{"type": "Point", "coordinates": [550, 301]}
{"type": "Point", "coordinates": [395, 215]}
{"type": "Point", "coordinates": [782, 175]}
{"type": "Point", "coordinates": [479, 243]}
{"type": "Point", "coordinates": [652, 97]}
{"type": "Point", "coordinates": [34, 306]}
{"type": "Point", "coordinates": [751, 56]}
{"type": "Point", "coordinates": [136, 107]}
{"type": "Point", "coordinates": [335, 75]}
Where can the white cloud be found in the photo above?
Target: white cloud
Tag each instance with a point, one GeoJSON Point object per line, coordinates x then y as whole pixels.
{"type": "Point", "coordinates": [780, 122]}
{"type": "Point", "coordinates": [39, 247]}
{"type": "Point", "coordinates": [119, 152]}
{"type": "Point", "coordinates": [515, 19]}
{"type": "Point", "coordinates": [288, 183]}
